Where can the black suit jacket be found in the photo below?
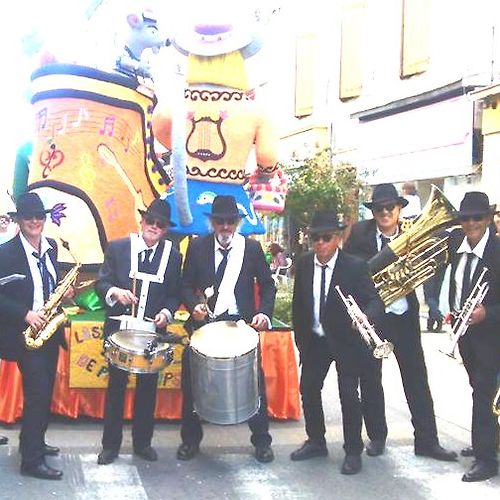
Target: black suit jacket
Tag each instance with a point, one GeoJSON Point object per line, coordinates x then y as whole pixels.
{"type": "Point", "coordinates": [115, 272]}
{"type": "Point", "coordinates": [352, 276]}
{"type": "Point", "coordinates": [16, 297]}
{"type": "Point", "coordinates": [489, 328]}
{"type": "Point", "coordinates": [363, 243]}
{"type": "Point", "coordinates": [199, 274]}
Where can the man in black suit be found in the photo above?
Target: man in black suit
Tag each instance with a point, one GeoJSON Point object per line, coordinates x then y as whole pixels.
{"type": "Point", "coordinates": [34, 256]}
{"type": "Point", "coordinates": [401, 326]}
{"type": "Point", "coordinates": [243, 263]}
{"type": "Point", "coordinates": [473, 248]}
{"type": "Point", "coordinates": [324, 333]}
{"type": "Point", "coordinates": [156, 266]}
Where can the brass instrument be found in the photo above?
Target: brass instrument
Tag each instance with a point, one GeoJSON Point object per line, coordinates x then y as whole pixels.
{"type": "Point", "coordinates": [380, 348]}
{"type": "Point", "coordinates": [495, 406]}
{"type": "Point", "coordinates": [461, 324]}
{"type": "Point", "coordinates": [417, 253]}
{"type": "Point", "coordinates": [55, 318]}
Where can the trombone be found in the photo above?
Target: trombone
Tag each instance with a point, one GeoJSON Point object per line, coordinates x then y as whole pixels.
{"type": "Point", "coordinates": [380, 348]}
{"type": "Point", "coordinates": [461, 324]}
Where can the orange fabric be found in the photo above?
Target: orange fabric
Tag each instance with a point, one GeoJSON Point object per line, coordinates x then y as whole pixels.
{"type": "Point", "coordinates": [278, 359]}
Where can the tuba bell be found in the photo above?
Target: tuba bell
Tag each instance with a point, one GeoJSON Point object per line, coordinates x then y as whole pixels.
{"type": "Point", "coordinates": [417, 253]}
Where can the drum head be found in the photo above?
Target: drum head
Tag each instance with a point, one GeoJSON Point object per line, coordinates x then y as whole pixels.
{"type": "Point", "coordinates": [132, 340]}
{"type": "Point", "coordinates": [224, 339]}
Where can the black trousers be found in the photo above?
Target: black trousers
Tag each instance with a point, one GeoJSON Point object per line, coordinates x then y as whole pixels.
{"type": "Point", "coordinates": [191, 428]}
{"type": "Point", "coordinates": [350, 372]}
{"type": "Point", "coordinates": [144, 407]}
{"type": "Point", "coordinates": [410, 357]}
{"type": "Point", "coordinates": [38, 370]}
{"type": "Point", "coordinates": [482, 362]}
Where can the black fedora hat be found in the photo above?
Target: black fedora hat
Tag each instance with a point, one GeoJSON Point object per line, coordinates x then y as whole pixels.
{"type": "Point", "coordinates": [384, 194]}
{"type": "Point", "coordinates": [28, 205]}
{"type": "Point", "coordinates": [224, 206]}
{"type": "Point", "coordinates": [159, 209]}
{"type": "Point", "coordinates": [325, 221]}
{"type": "Point", "coordinates": [475, 203]}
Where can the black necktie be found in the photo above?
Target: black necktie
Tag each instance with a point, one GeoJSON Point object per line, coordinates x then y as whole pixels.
{"type": "Point", "coordinates": [144, 262]}
{"type": "Point", "coordinates": [384, 241]}
{"type": "Point", "coordinates": [44, 273]}
{"type": "Point", "coordinates": [222, 267]}
{"type": "Point", "coordinates": [322, 298]}
{"type": "Point", "coordinates": [219, 274]}
{"type": "Point", "coordinates": [466, 281]}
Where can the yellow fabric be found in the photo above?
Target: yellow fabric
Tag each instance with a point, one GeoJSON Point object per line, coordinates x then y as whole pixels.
{"type": "Point", "coordinates": [225, 69]}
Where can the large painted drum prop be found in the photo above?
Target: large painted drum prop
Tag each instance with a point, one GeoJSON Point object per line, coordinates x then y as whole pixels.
{"type": "Point", "coordinates": [224, 372]}
{"type": "Point", "coordinates": [137, 351]}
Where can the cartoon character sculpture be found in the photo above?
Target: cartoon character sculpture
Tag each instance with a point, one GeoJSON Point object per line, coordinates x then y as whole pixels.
{"type": "Point", "coordinates": [143, 34]}
{"type": "Point", "coordinates": [224, 121]}
{"type": "Point", "coordinates": [93, 150]}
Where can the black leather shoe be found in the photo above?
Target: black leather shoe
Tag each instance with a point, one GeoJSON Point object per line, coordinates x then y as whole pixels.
{"type": "Point", "coordinates": [352, 465]}
{"type": "Point", "coordinates": [107, 456]}
{"type": "Point", "coordinates": [41, 471]}
{"type": "Point", "coordinates": [308, 450]}
{"type": "Point", "coordinates": [438, 328]}
{"type": "Point", "coordinates": [480, 471]}
{"type": "Point", "coordinates": [375, 448]}
{"type": "Point", "coordinates": [187, 451]}
{"type": "Point", "coordinates": [147, 453]}
{"type": "Point", "coordinates": [437, 452]}
{"type": "Point", "coordinates": [4, 440]}
{"type": "Point", "coordinates": [430, 323]}
{"type": "Point", "coordinates": [50, 450]}
{"type": "Point", "coordinates": [264, 454]}
{"type": "Point", "coordinates": [467, 452]}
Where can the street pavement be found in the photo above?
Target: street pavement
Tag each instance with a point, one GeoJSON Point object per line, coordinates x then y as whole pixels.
{"type": "Point", "coordinates": [226, 469]}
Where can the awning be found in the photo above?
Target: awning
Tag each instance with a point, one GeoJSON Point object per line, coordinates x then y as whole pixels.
{"type": "Point", "coordinates": [423, 143]}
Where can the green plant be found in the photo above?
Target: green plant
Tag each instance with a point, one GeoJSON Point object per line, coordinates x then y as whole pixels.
{"type": "Point", "coordinates": [320, 184]}
{"type": "Point", "coordinates": [283, 304]}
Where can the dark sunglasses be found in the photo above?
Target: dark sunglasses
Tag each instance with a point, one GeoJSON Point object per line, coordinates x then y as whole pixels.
{"type": "Point", "coordinates": [159, 223]}
{"type": "Point", "coordinates": [325, 237]}
{"type": "Point", "coordinates": [380, 208]}
{"type": "Point", "coordinates": [220, 221]}
{"type": "Point", "coordinates": [40, 216]}
{"type": "Point", "coordinates": [465, 218]}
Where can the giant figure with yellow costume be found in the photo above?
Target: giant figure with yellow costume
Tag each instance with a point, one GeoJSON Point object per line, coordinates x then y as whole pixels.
{"type": "Point", "coordinates": [224, 122]}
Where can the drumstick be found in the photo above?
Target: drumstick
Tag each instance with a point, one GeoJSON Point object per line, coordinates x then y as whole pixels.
{"type": "Point", "coordinates": [134, 286]}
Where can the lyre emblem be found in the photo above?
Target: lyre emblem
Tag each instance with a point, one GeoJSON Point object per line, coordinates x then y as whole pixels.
{"type": "Point", "coordinates": [203, 148]}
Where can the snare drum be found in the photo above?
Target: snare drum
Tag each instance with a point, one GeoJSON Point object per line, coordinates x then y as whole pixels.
{"type": "Point", "coordinates": [136, 351]}
{"type": "Point", "coordinates": [224, 372]}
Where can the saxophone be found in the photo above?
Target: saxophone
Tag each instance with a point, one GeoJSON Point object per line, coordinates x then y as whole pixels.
{"type": "Point", "coordinates": [55, 317]}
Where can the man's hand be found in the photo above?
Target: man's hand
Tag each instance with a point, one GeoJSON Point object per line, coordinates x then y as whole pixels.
{"type": "Point", "coordinates": [259, 322]}
{"type": "Point", "coordinates": [199, 312]}
{"type": "Point", "coordinates": [125, 297]}
{"type": "Point", "coordinates": [70, 293]}
{"type": "Point", "coordinates": [36, 320]}
{"type": "Point", "coordinates": [161, 320]}
{"type": "Point", "coordinates": [478, 315]}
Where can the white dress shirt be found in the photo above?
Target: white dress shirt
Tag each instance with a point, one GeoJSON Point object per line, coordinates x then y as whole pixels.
{"type": "Point", "coordinates": [330, 267]}
{"type": "Point", "coordinates": [38, 301]}
{"type": "Point", "coordinates": [465, 249]}
{"type": "Point", "coordinates": [232, 307]}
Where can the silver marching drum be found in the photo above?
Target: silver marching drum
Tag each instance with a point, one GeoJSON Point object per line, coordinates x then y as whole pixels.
{"type": "Point", "coordinates": [136, 348]}
{"type": "Point", "coordinates": [224, 372]}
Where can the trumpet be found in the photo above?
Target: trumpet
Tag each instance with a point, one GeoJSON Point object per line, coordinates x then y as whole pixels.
{"type": "Point", "coordinates": [461, 324]}
{"type": "Point", "coordinates": [380, 348]}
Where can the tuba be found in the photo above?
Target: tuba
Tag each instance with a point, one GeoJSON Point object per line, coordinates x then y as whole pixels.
{"type": "Point", "coordinates": [55, 317]}
{"type": "Point", "coordinates": [417, 253]}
